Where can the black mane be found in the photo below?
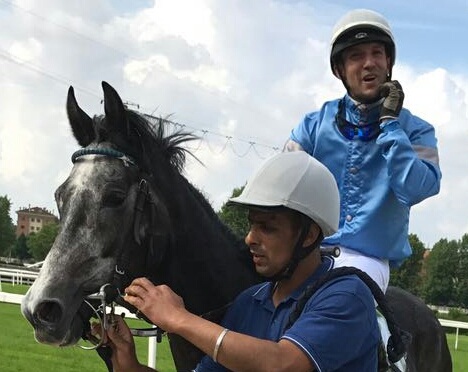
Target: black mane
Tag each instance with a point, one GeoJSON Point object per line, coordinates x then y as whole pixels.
{"type": "Point", "coordinates": [149, 142]}
{"type": "Point", "coordinates": [147, 139]}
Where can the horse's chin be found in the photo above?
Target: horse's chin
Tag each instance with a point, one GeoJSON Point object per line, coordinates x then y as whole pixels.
{"type": "Point", "coordinates": [56, 338]}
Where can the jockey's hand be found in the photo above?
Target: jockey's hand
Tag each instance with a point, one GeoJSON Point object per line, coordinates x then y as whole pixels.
{"type": "Point", "coordinates": [393, 102]}
{"type": "Point", "coordinates": [159, 303]}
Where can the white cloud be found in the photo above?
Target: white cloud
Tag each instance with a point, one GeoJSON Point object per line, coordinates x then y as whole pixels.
{"type": "Point", "coordinates": [26, 51]}
{"type": "Point", "coordinates": [207, 76]}
{"type": "Point", "coordinates": [441, 98]}
{"type": "Point", "coordinates": [16, 150]}
{"type": "Point", "coordinates": [246, 70]}
{"type": "Point", "coordinates": [15, 161]}
{"type": "Point", "coordinates": [189, 20]}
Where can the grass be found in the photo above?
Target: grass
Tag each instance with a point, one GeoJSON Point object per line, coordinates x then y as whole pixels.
{"type": "Point", "coordinates": [20, 353]}
{"type": "Point", "coordinates": [459, 356]}
{"type": "Point", "coordinates": [17, 289]}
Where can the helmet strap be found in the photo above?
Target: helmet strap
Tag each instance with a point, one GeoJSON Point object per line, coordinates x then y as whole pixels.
{"type": "Point", "coordinates": [338, 69]}
{"type": "Point", "coordinates": [299, 253]}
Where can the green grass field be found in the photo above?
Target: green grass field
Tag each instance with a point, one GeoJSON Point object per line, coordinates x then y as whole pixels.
{"type": "Point", "coordinates": [20, 353]}
{"type": "Point", "coordinates": [459, 356]}
{"type": "Point", "coordinates": [17, 289]}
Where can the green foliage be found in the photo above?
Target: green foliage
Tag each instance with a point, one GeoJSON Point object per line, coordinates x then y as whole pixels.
{"type": "Point", "coordinates": [408, 275]}
{"type": "Point", "coordinates": [462, 272]}
{"type": "Point", "coordinates": [7, 229]}
{"type": "Point", "coordinates": [40, 243]}
{"type": "Point", "coordinates": [235, 217]}
{"type": "Point", "coordinates": [441, 282]}
{"type": "Point", "coordinates": [20, 249]}
{"type": "Point", "coordinates": [455, 313]}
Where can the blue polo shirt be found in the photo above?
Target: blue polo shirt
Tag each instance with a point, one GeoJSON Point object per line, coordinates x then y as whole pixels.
{"type": "Point", "coordinates": [337, 329]}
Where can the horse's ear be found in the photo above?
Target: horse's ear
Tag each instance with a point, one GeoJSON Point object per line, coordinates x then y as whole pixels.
{"type": "Point", "coordinates": [115, 110]}
{"type": "Point", "coordinates": [80, 122]}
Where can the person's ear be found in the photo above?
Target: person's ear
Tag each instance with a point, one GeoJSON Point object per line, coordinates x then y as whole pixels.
{"type": "Point", "coordinates": [338, 70]}
{"type": "Point", "coordinates": [312, 235]}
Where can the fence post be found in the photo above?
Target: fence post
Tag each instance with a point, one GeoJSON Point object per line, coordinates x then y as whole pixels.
{"type": "Point", "coordinates": [152, 351]}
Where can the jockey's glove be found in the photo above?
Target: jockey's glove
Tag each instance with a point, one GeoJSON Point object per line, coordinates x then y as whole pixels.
{"type": "Point", "coordinates": [393, 102]}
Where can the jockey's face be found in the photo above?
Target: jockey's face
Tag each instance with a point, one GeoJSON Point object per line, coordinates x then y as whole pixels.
{"type": "Point", "coordinates": [364, 67]}
{"type": "Point", "coordinates": [271, 238]}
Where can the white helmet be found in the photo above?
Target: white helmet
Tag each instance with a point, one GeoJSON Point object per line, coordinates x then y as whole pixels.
{"type": "Point", "coordinates": [299, 182]}
{"type": "Point", "coordinates": [361, 26]}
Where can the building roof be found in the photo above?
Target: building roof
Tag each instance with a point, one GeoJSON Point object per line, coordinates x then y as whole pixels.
{"type": "Point", "coordinates": [36, 210]}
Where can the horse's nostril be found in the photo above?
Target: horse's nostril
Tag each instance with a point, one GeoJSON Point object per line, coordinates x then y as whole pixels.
{"type": "Point", "coordinates": [48, 312]}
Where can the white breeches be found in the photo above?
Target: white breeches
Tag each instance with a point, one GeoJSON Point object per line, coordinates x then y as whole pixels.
{"type": "Point", "coordinates": [377, 269]}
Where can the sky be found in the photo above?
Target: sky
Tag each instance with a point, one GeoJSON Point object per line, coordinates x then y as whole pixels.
{"type": "Point", "coordinates": [239, 74]}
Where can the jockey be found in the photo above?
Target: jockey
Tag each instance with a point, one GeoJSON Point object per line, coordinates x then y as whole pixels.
{"type": "Point", "coordinates": [383, 158]}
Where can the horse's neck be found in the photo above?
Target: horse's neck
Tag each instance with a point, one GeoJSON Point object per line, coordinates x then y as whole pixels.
{"type": "Point", "coordinates": [210, 266]}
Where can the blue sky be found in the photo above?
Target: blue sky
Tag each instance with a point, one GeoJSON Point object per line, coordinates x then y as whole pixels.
{"type": "Point", "coordinates": [248, 70]}
{"type": "Point", "coordinates": [430, 33]}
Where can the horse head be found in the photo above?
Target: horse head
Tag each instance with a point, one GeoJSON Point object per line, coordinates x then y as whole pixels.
{"type": "Point", "coordinates": [113, 224]}
{"type": "Point", "coordinates": [127, 211]}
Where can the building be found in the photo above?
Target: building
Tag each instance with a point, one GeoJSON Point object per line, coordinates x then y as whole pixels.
{"type": "Point", "coordinates": [32, 220]}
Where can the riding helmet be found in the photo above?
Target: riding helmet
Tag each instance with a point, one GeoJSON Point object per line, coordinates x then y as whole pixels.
{"type": "Point", "coordinates": [361, 26]}
{"type": "Point", "coordinates": [297, 181]}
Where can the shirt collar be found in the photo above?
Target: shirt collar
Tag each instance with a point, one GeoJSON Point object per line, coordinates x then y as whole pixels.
{"type": "Point", "coordinates": [264, 291]}
{"type": "Point", "coordinates": [362, 106]}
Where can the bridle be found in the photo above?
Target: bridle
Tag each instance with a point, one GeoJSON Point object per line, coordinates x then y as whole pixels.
{"type": "Point", "coordinates": [95, 304]}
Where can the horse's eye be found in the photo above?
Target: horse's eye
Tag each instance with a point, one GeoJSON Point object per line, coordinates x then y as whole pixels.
{"type": "Point", "coordinates": [113, 200]}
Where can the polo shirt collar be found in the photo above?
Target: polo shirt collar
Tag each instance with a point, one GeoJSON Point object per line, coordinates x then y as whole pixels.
{"type": "Point", "coordinates": [264, 292]}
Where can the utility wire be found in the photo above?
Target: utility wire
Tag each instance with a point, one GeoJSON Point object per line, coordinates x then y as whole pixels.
{"type": "Point", "coordinates": [119, 51]}
{"type": "Point", "coordinates": [63, 80]}
{"type": "Point", "coordinates": [126, 55]}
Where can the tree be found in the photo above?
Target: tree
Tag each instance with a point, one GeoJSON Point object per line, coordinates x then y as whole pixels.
{"type": "Point", "coordinates": [408, 275]}
{"type": "Point", "coordinates": [235, 218]}
{"type": "Point", "coordinates": [7, 229]}
{"type": "Point", "coordinates": [462, 272]}
{"type": "Point", "coordinates": [21, 250]}
{"type": "Point", "coordinates": [442, 265]}
{"type": "Point", "coordinates": [41, 242]}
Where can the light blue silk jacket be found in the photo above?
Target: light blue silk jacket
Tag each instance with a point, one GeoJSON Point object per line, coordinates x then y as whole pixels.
{"type": "Point", "coordinates": [379, 180]}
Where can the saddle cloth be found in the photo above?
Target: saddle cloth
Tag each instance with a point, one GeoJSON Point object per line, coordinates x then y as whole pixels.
{"type": "Point", "coordinates": [399, 366]}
